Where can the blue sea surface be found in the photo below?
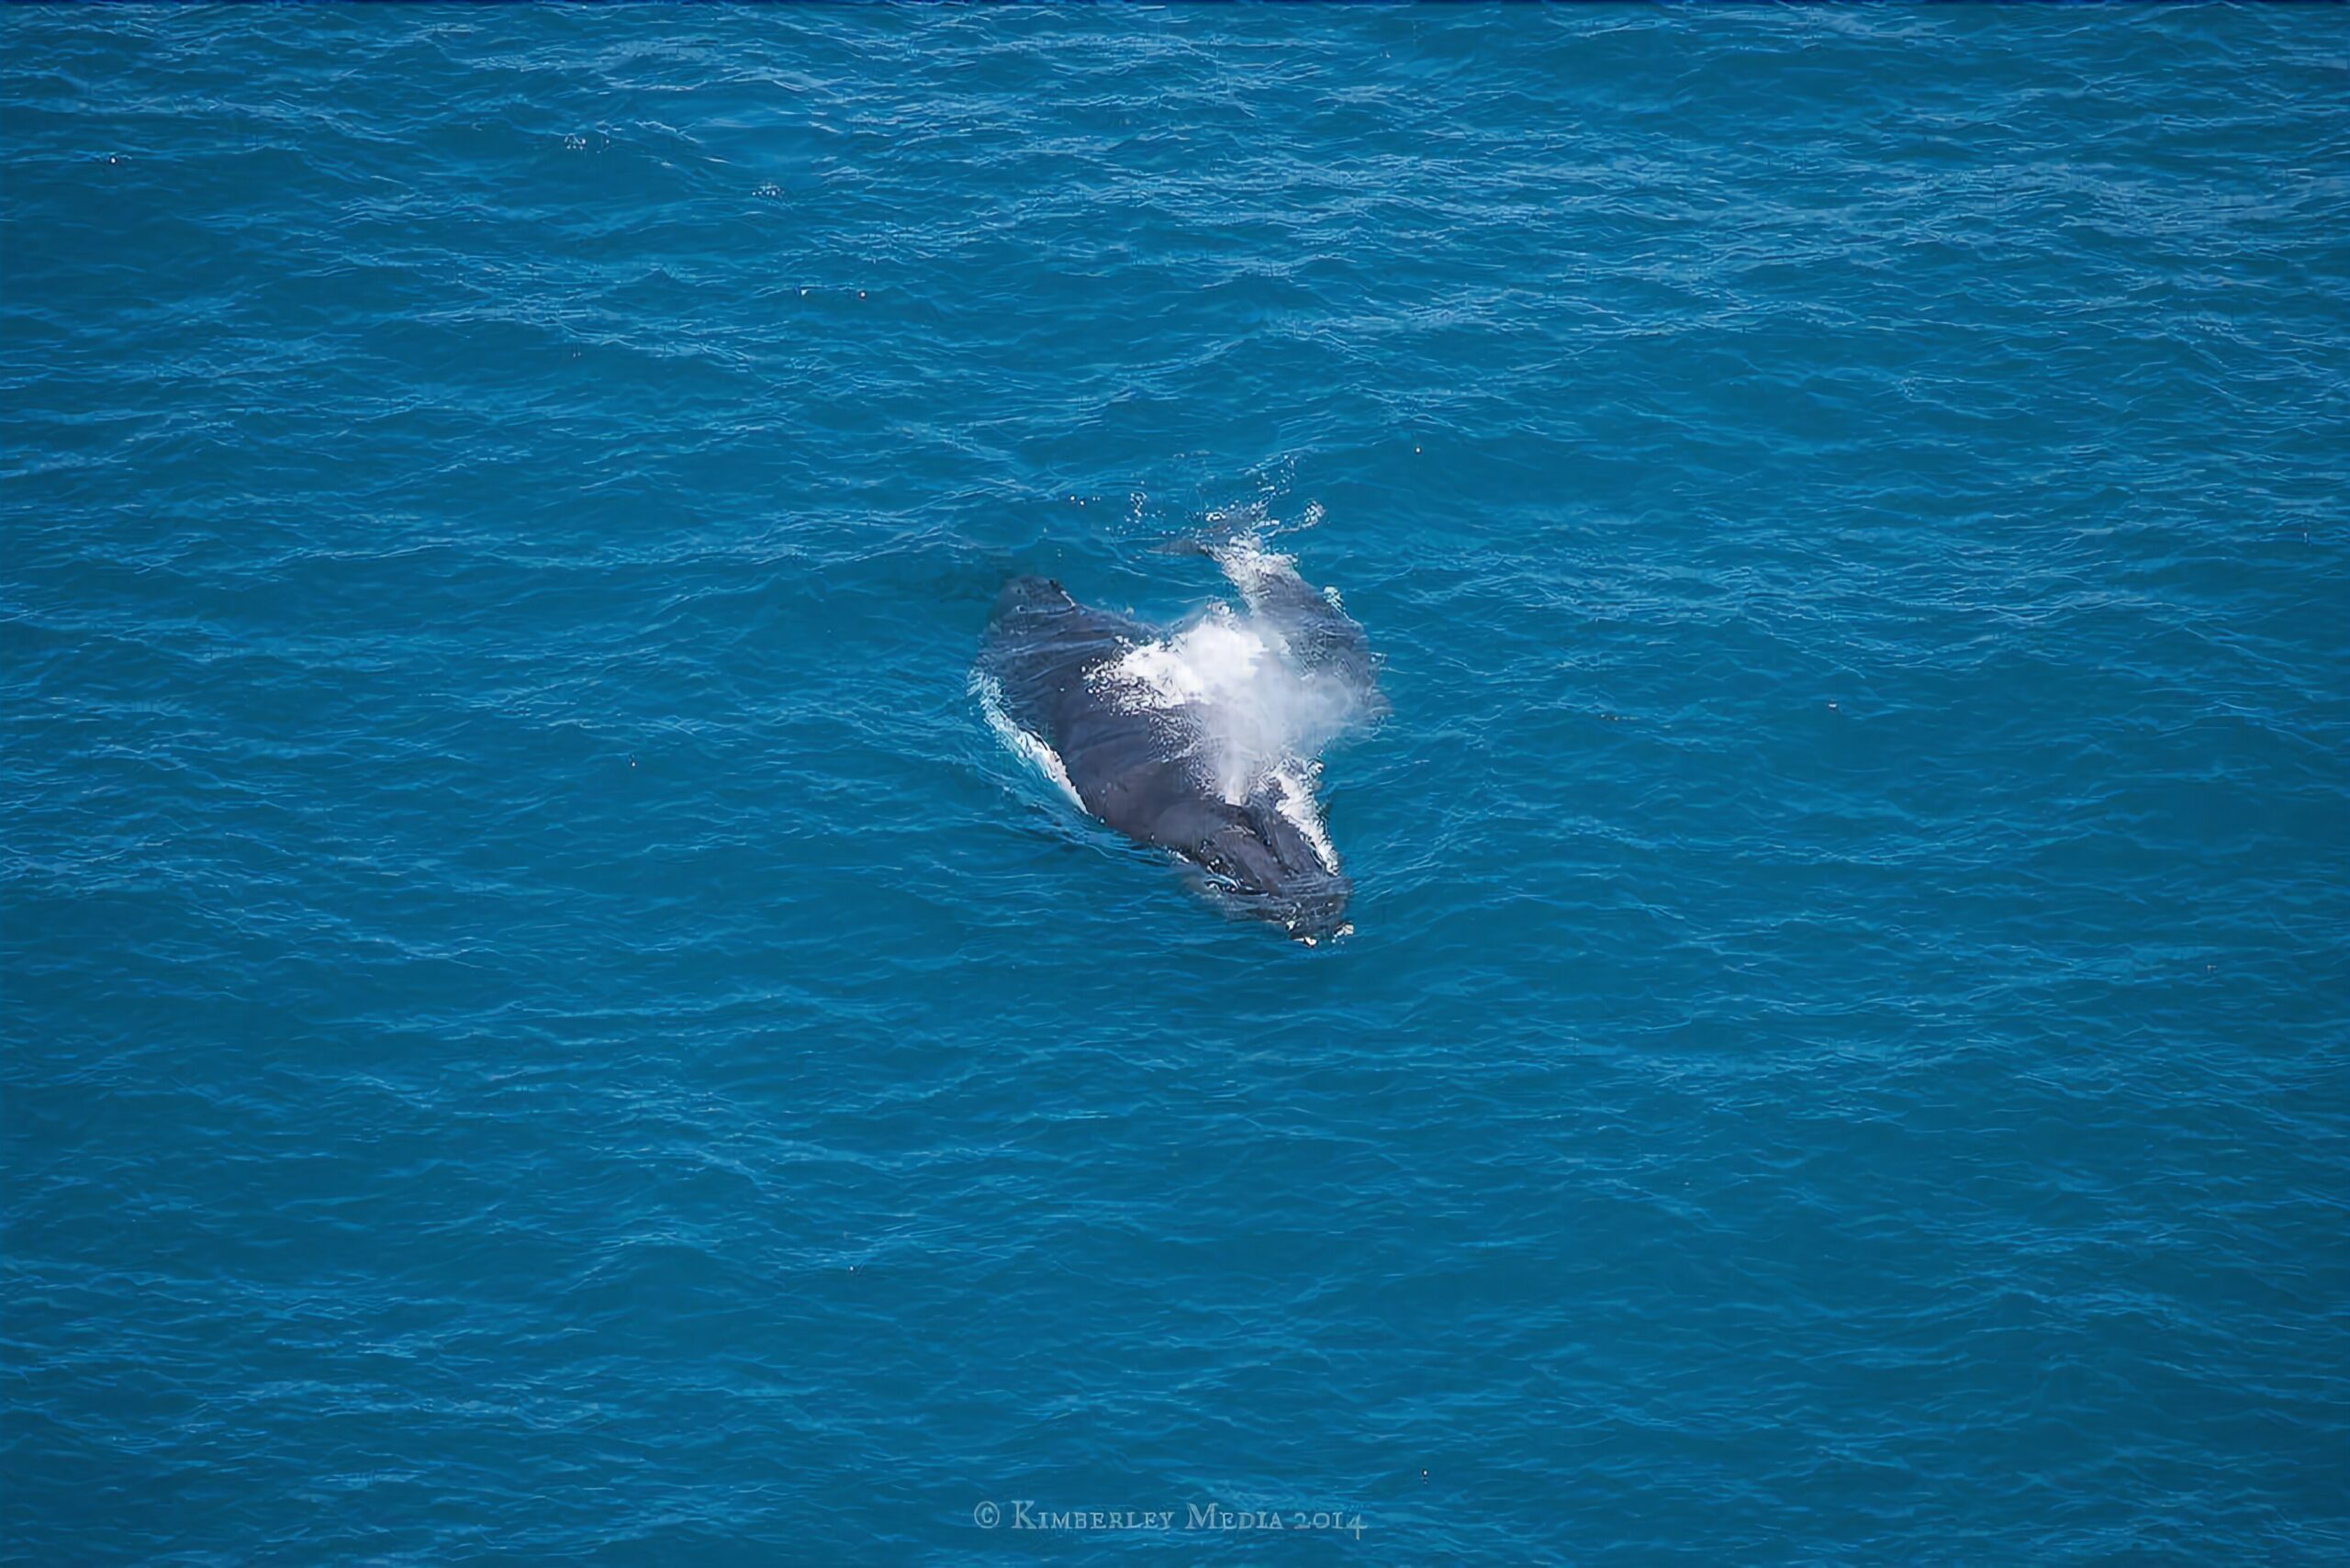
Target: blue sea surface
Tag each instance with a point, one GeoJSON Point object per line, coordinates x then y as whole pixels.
{"type": "Point", "coordinates": [541, 1023]}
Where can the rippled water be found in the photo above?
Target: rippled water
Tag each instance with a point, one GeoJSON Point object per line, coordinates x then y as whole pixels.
{"type": "Point", "coordinates": [542, 1022]}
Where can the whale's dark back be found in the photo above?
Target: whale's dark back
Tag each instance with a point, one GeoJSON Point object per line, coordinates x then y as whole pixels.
{"type": "Point", "coordinates": [1135, 769]}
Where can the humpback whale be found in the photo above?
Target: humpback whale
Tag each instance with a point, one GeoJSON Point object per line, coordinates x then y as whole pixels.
{"type": "Point", "coordinates": [1204, 739]}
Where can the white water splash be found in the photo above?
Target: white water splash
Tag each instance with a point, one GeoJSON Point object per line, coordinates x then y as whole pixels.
{"type": "Point", "coordinates": [1022, 744]}
{"type": "Point", "coordinates": [1250, 567]}
{"type": "Point", "coordinates": [1303, 809]}
{"type": "Point", "coordinates": [1254, 716]}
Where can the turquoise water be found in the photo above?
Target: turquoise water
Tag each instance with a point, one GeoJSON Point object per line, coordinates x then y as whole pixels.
{"type": "Point", "coordinates": [542, 1023]}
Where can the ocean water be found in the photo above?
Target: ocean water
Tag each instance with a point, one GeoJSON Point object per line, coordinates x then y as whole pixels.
{"type": "Point", "coordinates": [542, 1023]}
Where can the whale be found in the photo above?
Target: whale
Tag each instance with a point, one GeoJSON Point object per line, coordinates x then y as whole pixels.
{"type": "Point", "coordinates": [1202, 740]}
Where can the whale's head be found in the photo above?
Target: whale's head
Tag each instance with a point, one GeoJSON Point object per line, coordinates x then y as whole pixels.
{"type": "Point", "coordinates": [1265, 868]}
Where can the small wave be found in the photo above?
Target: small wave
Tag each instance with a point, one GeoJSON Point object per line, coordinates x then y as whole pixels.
{"type": "Point", "coordinates": [1019, 742]}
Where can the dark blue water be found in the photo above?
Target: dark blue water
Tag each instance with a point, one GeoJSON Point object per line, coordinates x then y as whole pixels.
{"type": "Point", "coordinates": [541, 1023]}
